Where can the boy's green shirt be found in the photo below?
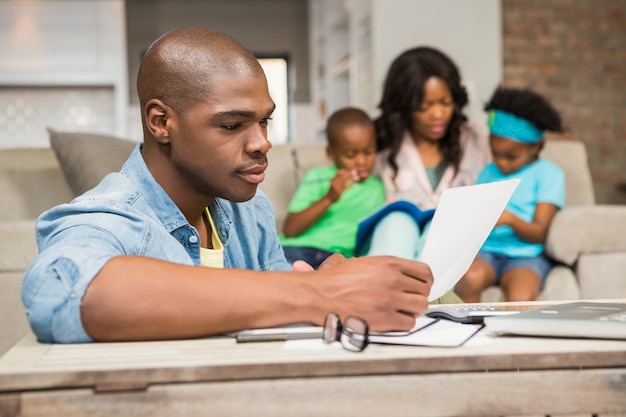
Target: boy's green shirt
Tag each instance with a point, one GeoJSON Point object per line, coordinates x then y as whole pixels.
{"type": "Point", "coordinates": [336, 230]}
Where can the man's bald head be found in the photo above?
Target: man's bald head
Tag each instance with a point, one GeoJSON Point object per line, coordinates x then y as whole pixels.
{"type": "Point", "coordinates": [179, 67]}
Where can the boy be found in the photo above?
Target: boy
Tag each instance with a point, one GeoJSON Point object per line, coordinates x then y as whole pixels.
{"type": "Point", "coordinates": [325, 210]}
{"type": "Point", "coordinates": [512, 256]}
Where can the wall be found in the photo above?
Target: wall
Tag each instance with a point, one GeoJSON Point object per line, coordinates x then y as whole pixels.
{"type": "Point", "coordinates": [264, 27]}
{"type": "Point", "coordinates": [353, 44]}
{"type": "Point", "coordinates": [267, 27]}
{"type": "Point", "coordinates": [574, 53]}
{"type": "Point", "coordinates": [62, 65]}
{"type": "Point", "coordinates": [467, 31]}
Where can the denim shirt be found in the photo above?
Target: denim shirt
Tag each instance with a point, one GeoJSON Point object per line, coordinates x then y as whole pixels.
{"type": "Point", "coordinates": [129, 213]}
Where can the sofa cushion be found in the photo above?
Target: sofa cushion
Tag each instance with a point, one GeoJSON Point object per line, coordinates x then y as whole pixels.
{"type": "Point", "coordinates": [571, 156]}
{"type": "Point", "coordinates": [309, 156]}
{"type": "Point", "coordinates": [31, 182]}
{"type": "Point", "coordinates": [86, 158]}
{"type": "Point", "coordinates": [13, 321]}
{"type": "Point", "coordinates": [601, 275]}
{"type": "Point", "coordinates": [586, 229]}
{"type": "Point", "coordinates": [280, 184]}
{"type": "Point", "coordinates": [17, 245]}
{"type": "Point", "coordinates": [17, 249]}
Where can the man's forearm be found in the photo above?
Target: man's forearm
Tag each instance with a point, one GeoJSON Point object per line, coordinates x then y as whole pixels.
{"type": "Point", "coordinates": [138, 298]}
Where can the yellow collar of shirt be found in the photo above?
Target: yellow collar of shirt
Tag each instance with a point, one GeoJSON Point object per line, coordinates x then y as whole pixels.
{"type": "Point", "coordinates": [212, 257]}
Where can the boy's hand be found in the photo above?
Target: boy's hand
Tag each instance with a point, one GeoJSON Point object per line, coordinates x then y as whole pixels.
{"type": "Point", "coordinates": [344, 179]}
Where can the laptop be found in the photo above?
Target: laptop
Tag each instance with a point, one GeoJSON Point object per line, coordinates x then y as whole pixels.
{"type": "Point", "coordinates": [581, 319]}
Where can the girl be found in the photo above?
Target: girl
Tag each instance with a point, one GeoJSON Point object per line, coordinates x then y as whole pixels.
{"type": "Point", "coordinates": [512, 256]}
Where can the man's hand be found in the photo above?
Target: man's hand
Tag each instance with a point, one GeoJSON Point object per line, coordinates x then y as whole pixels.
{"type": "Point", "coordinates": [332, 260]}
{"type": "Point", "coordinates": [387, 292]}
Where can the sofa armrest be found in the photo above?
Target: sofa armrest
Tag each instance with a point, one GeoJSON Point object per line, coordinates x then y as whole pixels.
{"type": "Point", "coordinates": [17, 249]}
{"type": "Point", "coordinates": [586, 229]}
{"type": "Point", "coordinates": [18, 246]}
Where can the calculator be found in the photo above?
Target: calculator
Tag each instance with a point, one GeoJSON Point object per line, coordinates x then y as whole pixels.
{"type": "Point", "coordinates": [465, 313]}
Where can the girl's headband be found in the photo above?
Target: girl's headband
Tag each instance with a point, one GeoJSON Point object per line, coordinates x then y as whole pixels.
{"type": "Point", "coordinates": [512, 127]}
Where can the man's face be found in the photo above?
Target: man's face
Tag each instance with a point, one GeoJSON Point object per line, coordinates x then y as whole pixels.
{"type": "Point", "coordinates": [220, 144]}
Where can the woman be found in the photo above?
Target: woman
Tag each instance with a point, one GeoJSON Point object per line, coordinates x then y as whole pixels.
{"type": "Point", "coordinates": [426, 145]}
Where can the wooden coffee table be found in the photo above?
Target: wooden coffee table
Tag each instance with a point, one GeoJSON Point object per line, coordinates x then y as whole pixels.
{"type": "Point", "coordinates": [502, 376]}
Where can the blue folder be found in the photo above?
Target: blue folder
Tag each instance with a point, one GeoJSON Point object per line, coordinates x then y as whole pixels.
{"type": "Point", "coordinates": [366, 226]}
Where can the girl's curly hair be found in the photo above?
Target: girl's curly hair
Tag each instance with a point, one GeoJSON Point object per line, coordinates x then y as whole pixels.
{"type": "Point", "coordinates": [528, 105]}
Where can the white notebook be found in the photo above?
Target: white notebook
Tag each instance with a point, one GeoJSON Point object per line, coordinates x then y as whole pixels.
{"type": "Point", "coordinates": [580, 319]}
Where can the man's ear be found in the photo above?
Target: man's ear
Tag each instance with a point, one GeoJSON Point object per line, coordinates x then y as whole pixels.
{"type": "Point", "coordinates": [158, 120]}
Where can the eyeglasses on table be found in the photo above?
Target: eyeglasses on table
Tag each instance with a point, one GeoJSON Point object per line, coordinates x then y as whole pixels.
{"type": "Point", "coordinates": [353, 333]}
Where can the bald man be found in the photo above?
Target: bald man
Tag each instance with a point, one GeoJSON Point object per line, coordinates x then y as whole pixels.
{"type": "Point", "coordinates": [180, 243]}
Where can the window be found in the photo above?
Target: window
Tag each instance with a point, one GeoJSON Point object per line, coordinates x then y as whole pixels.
{"type": "Point", "coordinates": [276, 72]}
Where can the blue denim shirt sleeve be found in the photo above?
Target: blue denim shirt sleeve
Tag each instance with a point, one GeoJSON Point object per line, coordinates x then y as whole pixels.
{"type": "Point", "coordinates": [75, 242]}
{"type": "Point", "coordinates": [54, 284]}
{"type": "Point", "coordinates": [128, 213]}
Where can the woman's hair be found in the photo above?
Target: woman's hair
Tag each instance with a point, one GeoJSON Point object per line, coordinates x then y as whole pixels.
{"type": "Point", "coordinates": [403, 94]}
{"type": "Point", "coordinates": [528, 105]}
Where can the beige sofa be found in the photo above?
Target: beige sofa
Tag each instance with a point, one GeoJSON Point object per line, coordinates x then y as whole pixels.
{"type": "Point", "coordinates": [30, 182]}
{"type": "Point", "coordinates": [588, 239]}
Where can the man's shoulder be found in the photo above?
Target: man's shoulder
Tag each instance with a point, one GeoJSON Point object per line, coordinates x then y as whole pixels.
{"type": "Point", "coordinates": [115, 188]}
{"type": "Point", "coordinates": [113, 196]}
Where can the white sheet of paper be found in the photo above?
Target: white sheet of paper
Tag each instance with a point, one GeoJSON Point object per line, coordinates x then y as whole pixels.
{"type": "Point", "coordinates": [440, 333]}
{"type": "Point", "coordinates": [462, 222]}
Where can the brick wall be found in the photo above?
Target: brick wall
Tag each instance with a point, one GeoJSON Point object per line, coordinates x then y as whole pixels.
{"type": "Point", "coordinates": [574, 53]}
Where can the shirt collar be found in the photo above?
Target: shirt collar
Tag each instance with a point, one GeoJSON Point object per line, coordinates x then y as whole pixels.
{"type": "Point", "coordinates": [166, 210]}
